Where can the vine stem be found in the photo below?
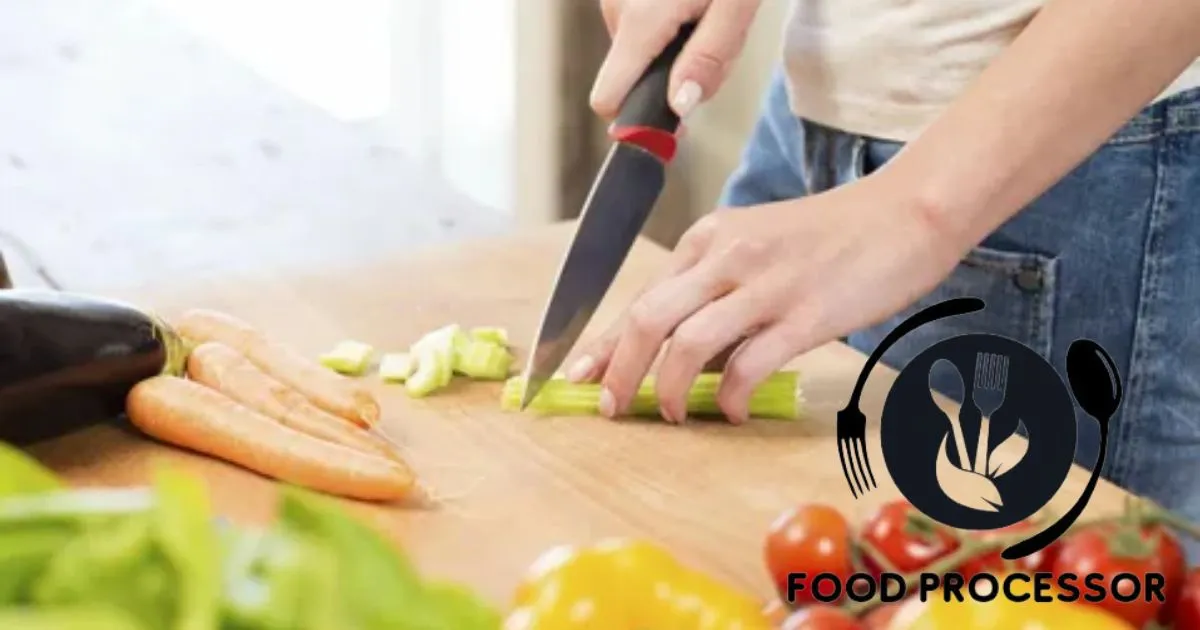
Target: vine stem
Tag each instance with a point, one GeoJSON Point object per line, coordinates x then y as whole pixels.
{"type": "Point", "coordinates": [1138, 513]}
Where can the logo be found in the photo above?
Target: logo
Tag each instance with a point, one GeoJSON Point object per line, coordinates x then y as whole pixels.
{"type": "Point", "coordinates": [966, 473]}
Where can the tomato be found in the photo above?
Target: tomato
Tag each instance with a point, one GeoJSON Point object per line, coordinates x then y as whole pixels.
{"type": "Point", "coordinates": [1110, 550]}
{"type": "Point", "coordinates": [1186, 611]}
{"type": "Point", "coordinates": [821, 617]}
{"type": "Point", "coordinates": [1049, 557]}
{"type": "Point", "coordinates": [889, 533]}
{"type": "Point", "coordinates": [810, 539]}
{"type": "Point", "coordinates": [1174, 567]}
{"type": "Point", "coordinates": [992, 563]}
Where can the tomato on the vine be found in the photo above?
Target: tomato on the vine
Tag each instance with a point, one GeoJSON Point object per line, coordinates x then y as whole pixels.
{"type": "Point", "coordinates": [1174, 566]}
{"type": "Point", "coordinates": [810, 539]}
{"type": "Point", "coordinates": [890, 532]}
{"type": "Point", "coordinates": [1110, 550]}
{"type": "Point", "coordinates": [1185, 614]}
{"type": "Point", "coordinates": [821, 617]}
{"type": "Point", "coordinates": [990, 562]}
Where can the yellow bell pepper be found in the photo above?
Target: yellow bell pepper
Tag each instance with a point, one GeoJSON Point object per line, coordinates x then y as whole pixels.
{"type": "Point", "coordinates": [622, 584]}
{"type": "Point", "coordinates": [1003, 613]}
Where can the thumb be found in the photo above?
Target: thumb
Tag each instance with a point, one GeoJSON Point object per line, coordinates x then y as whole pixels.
{"type": "Point", "coordinates": [705, 60]}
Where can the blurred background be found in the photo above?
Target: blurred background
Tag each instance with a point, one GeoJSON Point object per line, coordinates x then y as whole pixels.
{"type": "Point", "coordinates": [147, 140]}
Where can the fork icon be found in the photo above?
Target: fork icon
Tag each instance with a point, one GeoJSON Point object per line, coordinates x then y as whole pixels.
{"type": "Point", "coordinates": [991, 379]}
{"type": "Point", "coordinates": [852, 447]}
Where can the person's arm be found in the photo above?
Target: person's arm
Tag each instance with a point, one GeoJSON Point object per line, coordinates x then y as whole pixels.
{"type": "Point", "coordinates": [1079, 71]}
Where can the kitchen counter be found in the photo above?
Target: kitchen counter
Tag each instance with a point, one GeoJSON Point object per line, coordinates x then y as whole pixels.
{"type": "Point", "coordinates": [513, 485]}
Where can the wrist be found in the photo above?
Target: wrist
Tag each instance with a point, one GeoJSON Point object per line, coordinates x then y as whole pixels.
{"type": "Point", "coordinates": [956, 203]}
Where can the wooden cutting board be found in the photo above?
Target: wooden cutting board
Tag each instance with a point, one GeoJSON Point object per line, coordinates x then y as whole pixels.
{"type": "Point", "coordinates": [514, 485]}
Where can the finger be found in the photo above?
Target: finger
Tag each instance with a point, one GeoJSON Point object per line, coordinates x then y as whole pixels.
{"type": "Point", "coordinates": [754, 361]}
{"type": "Point", "coordinates": [644, 31]}
{"type": "Point", "coordinates": [593, 361]}
{"type": "Point", "coordinates": [704, 335]}
{"type": "Point", "coordinates": [655, 316]}
{"type": "Point", "coordinates": [705, 59]}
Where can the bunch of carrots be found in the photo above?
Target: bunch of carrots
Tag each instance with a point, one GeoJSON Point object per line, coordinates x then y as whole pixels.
{"type": "Point", "coordinates": [255, 402]}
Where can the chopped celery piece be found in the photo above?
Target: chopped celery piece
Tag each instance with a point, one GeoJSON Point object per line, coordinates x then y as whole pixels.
{"type": "Point", "coordinates": [452, 336]}
{"type": "Point", "coordinates": [397, 367]}
{"type": "Point", "coordinates": [494, 334]}
{"type": "Point", "coordinates": [485, 360]}
{"type": "Point", "coordinates": [481, 354]}
{"type": "Point", "coordinates": [348, 357]}
{"type": "Point", "coordinates": [435, 368]}
{"type": "Point", "coordinates": [778, 397]}
{"type": "Point", "coordinates": [447, 342]}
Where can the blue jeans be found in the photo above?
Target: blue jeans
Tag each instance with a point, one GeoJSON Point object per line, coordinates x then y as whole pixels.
{"type": "Point", "coordinates": [1112, 252]}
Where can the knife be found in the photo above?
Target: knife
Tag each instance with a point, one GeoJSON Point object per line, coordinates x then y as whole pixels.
{"type": "Point", "coordinates": [614, 213]}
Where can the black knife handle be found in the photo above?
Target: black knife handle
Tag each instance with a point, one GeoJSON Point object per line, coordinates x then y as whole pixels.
{"type": "Point", "coordinates": [646, 118]}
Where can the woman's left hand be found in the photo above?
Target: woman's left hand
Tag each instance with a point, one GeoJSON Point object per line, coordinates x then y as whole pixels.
{"type": "Point", "coordinates": [781, 279]}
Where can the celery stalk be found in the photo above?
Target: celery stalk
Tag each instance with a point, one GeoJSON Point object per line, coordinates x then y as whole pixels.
{"type": "Point", "coordinates": [778, 397]}
{"type": "Point", "coordinates": [348, 357]}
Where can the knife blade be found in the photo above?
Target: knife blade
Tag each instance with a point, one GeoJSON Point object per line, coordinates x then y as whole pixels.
{"type": "Point", "coordinates": [621, 199]}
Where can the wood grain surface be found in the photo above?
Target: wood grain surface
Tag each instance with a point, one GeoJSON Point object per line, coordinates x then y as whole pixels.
{"type": "Point", "coordinates": [514, 485]}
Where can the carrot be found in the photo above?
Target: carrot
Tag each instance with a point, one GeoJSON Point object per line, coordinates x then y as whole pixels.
{"type": "Point", "coordinates": [222, 368]}
{"type": "Point", "coordinates": [192, 416]}
{"type": "Point", "coordinates": [326, 389]}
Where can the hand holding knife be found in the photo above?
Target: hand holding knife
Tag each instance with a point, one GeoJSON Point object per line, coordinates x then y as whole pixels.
{"type": "Point", "coordinates": [616, 209]}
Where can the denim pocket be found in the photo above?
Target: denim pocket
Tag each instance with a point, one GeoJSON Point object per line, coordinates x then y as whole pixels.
{"type": "Point", "coordinates": [1018, 290]}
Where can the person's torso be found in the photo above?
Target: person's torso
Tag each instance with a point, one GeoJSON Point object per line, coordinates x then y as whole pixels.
{"type": "Point", "coordinates": [886, 68]}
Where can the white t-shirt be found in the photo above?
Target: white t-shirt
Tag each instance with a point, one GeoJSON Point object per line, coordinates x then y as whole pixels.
{"type": "Point", "coordinates": [886, 68]}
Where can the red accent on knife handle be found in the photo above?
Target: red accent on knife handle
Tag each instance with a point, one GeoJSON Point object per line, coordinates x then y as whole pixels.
{"type": "Point", "coordinates": [646, 118]}
{"type": "Point", "coordinates": [661, 144]}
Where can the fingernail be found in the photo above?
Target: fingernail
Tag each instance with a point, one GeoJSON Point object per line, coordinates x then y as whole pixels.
{"type": "Point", "coordinates": [580, 369]}
{"type": "Point", "coordinates": [686, 98]}
{"type": "Point", "coordinates": [667, 415]}
{"type": "Point", "coordinates": [608, 404]}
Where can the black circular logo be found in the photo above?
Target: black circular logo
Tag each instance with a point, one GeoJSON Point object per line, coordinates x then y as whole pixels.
{"type": "Point", "coordinates": [1003, 479]}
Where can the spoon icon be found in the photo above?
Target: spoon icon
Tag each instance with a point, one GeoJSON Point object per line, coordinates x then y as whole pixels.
{"type": "Point", "coordinates": [944, 372]}
{"type": "Point", "coordinates": [1096, 386]}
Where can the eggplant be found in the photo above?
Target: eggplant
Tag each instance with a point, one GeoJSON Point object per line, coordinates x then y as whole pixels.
{"type": "Point", "coordinates": [68, 360]}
